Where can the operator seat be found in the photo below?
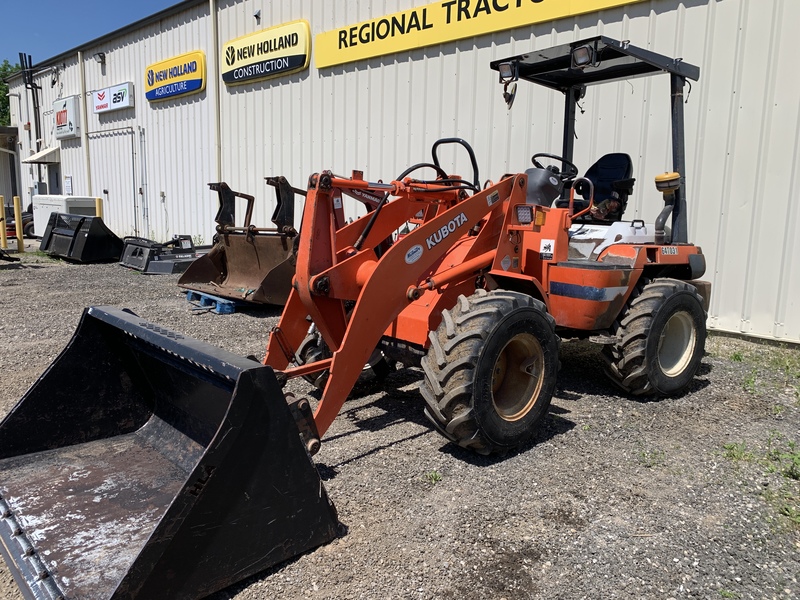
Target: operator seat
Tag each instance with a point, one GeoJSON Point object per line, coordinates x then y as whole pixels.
{"type": "Point", "coordinates": [611, 176]}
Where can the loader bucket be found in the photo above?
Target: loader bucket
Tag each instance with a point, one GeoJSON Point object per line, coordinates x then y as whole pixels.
{"type": "Point", "coordinates": [147, 465]}
{"type": "Point", "coordinates": [80, 238]}
{"type": "Point", "coordinates": [253, 268]}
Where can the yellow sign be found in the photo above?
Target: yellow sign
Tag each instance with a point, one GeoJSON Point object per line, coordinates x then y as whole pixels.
{"type": "Point", "coordinates": [443, 21]}
{"type": "Point", "coordinates": [267, 53]}
{"type": "Point", "coordinates": [184, 74]}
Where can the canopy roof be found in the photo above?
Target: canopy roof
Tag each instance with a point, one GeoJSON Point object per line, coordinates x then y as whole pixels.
{"type": "Point", "coordinates": [613, 60]}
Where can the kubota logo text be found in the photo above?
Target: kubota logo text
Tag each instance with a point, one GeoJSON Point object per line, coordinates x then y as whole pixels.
{"type": "Point", "coordinates": [446, 230]}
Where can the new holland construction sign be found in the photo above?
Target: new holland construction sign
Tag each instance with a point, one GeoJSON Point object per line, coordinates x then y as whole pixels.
{"type": "Point", "coordinates": [267, 53]}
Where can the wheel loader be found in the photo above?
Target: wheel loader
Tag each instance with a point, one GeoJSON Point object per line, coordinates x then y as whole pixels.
{"type": "Point", "coordinates": [144, 464]}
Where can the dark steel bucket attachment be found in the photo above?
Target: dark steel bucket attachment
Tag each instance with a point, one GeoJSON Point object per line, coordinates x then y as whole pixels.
{"type": "Point", "coordinates": [248, 263]}
{"type": "Point", "coordinates": [148, 256]}
{"type": "Point", "coordinates": [80, 238]}
{"type": "Point", "coordinates": [147, 465]}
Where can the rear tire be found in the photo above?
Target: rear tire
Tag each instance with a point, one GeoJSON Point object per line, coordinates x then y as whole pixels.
{"type": "Point", "coordinates": [27, 231]}
{"type": "Point", "coordinates": [661, 339]}
{"type": "Point", "coordinates": [490, 372]}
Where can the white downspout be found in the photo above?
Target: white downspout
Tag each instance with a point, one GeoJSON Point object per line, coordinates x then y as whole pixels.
{"type": "Point", "coordinates": [214, 62]}
{"type": "Point", "coordinates": [85, 128]}
{"type": "Point", "coordinates": [17, 163]}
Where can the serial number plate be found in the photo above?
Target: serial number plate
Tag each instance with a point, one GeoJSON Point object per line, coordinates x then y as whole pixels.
{"type": "Point", "coordinates": [671, 250]}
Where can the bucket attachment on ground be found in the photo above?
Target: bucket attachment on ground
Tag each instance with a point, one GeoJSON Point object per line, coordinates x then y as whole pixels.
{"type": "Point", "coordinates": [147, 465]}
{"type": "Point", "coordinates": [148, 256]}
{"type": "Point", "coordinates": [248, 263]}
{"type": "Point", "coordinates": [81, 238]}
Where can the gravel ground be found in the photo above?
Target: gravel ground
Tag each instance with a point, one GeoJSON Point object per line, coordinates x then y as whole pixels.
{"type": "Point", "coordinates": [689, 497]}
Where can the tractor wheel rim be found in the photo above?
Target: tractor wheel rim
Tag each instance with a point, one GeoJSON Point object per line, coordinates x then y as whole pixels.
{"type": "Point", "coordinates": [676, 345]}
{"type": "Point", "coordinates": [517, 377]}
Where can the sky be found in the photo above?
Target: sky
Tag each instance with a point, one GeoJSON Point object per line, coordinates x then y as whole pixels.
{"type": "Point", "coordinates": [46, 28]}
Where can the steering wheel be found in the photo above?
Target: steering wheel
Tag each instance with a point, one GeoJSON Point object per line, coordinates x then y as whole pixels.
{"type": "Point", "coordinates": [568, 169]}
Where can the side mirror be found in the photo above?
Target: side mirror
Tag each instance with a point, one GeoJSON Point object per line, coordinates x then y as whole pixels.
{"type": "Point", "coordinates": [509, 74]}
{"type": "Point", "coordinates": [509, 93]}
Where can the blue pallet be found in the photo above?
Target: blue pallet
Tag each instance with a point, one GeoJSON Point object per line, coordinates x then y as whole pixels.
{"type": "Point", "coordinates": [221, 306]}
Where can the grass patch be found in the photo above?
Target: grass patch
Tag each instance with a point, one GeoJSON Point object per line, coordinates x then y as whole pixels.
{"type": "Point", "coordinates": [765, 366]}
{"type": "Point", "coordinates": [652, 458]}
{"type": "Point", "coordinates": [781, 460]}
{"type": "Point", "coordinates": [737, 451]}
{"type": "Point", "coordinates": [433, 477]}
{"type": "Point", "coordinates": [783, 456]}
{"type": "Point", "coordinates": [749, 384]}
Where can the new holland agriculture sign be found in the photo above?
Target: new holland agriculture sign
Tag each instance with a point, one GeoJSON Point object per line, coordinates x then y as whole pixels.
{"type": "Point", "coordinates": [184, 74]}
{"type": "Point", "coordinates": [443, 21]}
{"type": "Point", "coordinates": [267, 53]}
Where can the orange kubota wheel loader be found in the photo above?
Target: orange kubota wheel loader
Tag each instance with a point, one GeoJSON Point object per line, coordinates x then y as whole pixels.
{"type": "Point", "coordinates": [481, 290]}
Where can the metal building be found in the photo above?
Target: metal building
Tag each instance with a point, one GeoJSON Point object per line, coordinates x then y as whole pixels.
{"type": "Point", "coordinates": [380, 88]}
{"type": "Point", "coordinates": [9, 163]}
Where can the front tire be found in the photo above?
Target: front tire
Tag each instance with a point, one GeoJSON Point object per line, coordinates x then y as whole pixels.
{"type": "Point", "coordinates": [490, 372]}
{"type": "Point", "coordinates": [661, 340]}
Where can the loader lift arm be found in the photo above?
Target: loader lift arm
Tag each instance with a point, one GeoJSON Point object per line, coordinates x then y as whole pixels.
{"type": "Point", "coordinates": [330, 270]}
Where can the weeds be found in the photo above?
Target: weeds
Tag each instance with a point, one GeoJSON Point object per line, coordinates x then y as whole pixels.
{"type": "Point", "coordinates": [764, 367]}
{"type": "Point", "coordinates": [750, 382]}
{"type": "Point", "coordinates": [433, 477]}
{"type": "Point", "coordinates": [790, 509]}
{"type": "Point", "coordinates": [652, 458]}
{"type": "Point", "coordinates": [737, 451]}
{"type": "Point", "coordinates": [781, 458]}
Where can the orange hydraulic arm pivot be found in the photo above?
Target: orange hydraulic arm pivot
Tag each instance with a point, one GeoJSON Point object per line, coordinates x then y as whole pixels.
{"type": "Point", "coordinates": [330, 270]}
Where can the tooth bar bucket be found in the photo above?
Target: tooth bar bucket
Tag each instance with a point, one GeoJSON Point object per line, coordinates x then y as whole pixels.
{"type": "Point", "coordinates": [252, 268]}
{"type": "Point", "coordinates": [147, 465]}
{"type": "Point", "coordinates": [247, 263]}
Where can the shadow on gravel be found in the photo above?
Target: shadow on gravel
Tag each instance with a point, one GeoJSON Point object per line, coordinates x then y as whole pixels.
{"type": "Point", "coordinates": [553, 425]}
{"type": "Point", "coordinates": [14, 266]}
{"type": "Point", "coordinates": [259, 312]}
{"type": "Point", "coordinates": [582, 374]}
{"type": "Point", "coordinates": [327, 472]}
{"type": "Point", "coordinates": [252, 311]}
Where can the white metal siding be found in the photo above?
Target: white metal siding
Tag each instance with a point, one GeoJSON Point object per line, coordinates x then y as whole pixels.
{"type": "Point", "coordinates": [382, 115]}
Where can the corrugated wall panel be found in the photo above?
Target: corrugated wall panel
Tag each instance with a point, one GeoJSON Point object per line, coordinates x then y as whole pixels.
{"type": "Point", "coordinates": [156, 158]}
